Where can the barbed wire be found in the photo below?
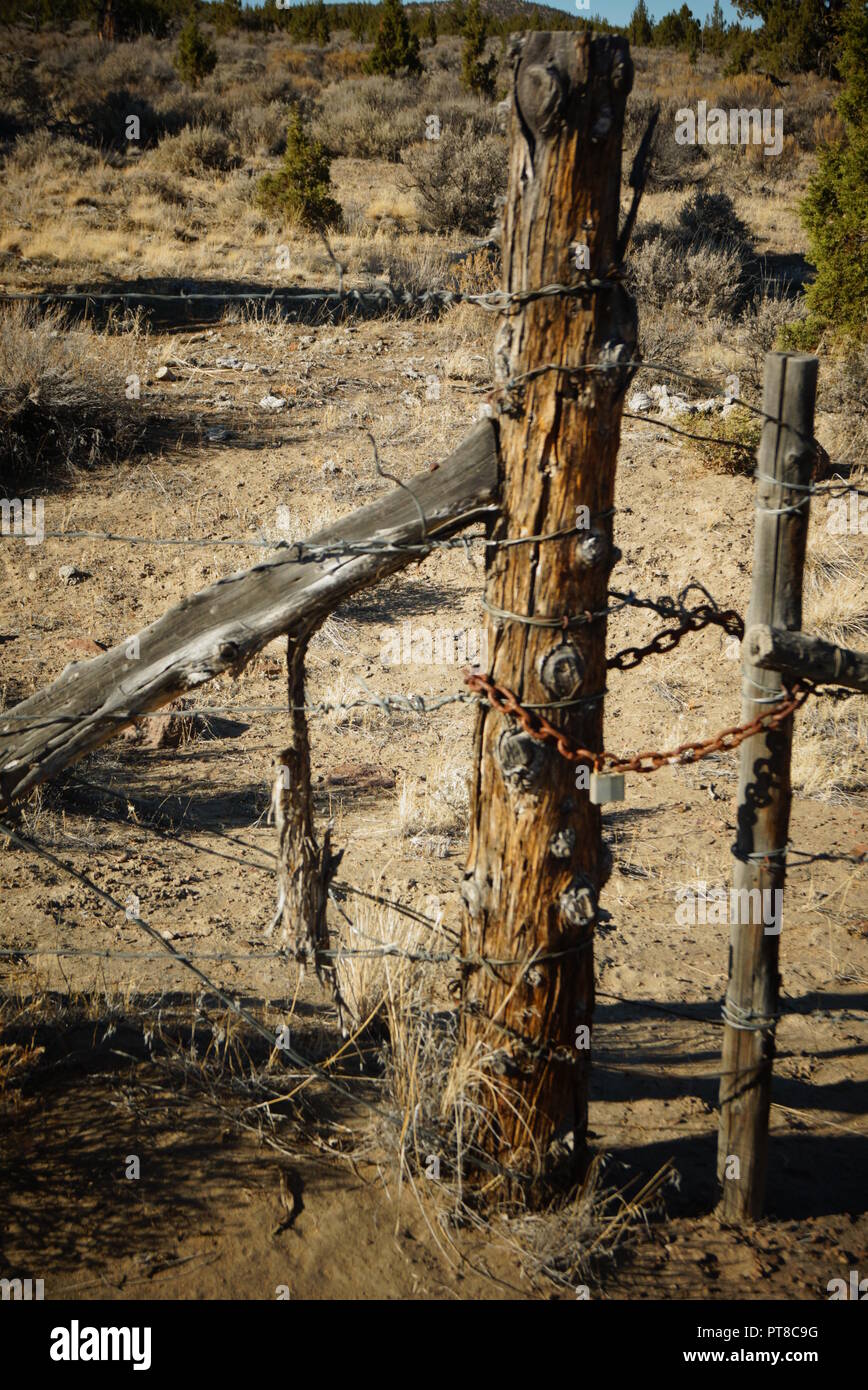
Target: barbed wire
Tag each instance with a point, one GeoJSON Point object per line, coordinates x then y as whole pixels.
{"type": "Point", "coordinates": [382, 295]}
{"type": "Point", "coordinates": [635, 365]}
{"type": "Point", "coordinates": [311, 1070]}
{"type": "Point", "coordinates": [497, 302]}
{"type": "Point", "coordinates": [561, 1053]}
{"type": "Point", "coordinates": [667, 606]}
{"type": "Point", "coordinates": [338, 888]}
{"type": "Point", "coordinates": [307, 551]}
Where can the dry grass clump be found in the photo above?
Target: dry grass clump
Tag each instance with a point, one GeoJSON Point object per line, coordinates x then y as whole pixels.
{"type": "Point", "coordinates": [41, 151]}
{"type": "Point", "coordinates": [379, 985]}
{"type": "Point", "coordinates": [700, 279]}
{"type": "Point", "coordinates": [835, 595]}
{"type": "Point", "coordinates": [195, 150]}
{"type": "Point", "coordinates": [434, 813]}
{"type": "Point", "coordinates": [829, 759]}
{"type": "Point", "coordinates": [573, 1241]}
{"type": "Point", "coordinates": [260, 129]}
{"type": "Point", "coordinates": [377, 117]}
{"type": "Point", "coordinates": [62, 406]}
{"type": "Point", "coordinates": [759, 330]}
{"type": "Point", "coordinates": [369, 117]}
{"type": "Point", "coordinates": [415, 266]}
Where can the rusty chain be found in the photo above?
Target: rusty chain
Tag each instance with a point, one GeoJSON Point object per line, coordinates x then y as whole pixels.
{"type": "Point", "coordinates": [539, 728]}
{"type": "Point", "coordinates": [702, 616]}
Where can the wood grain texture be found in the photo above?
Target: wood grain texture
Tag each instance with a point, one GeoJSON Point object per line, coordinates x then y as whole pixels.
{"type": "Point", "coordinates": [304, 868]}
{"type": "Point", "coordinates": [797, 654]}
{"type": "Point", "coordinates": [219, 629]}
{"type": "Point", "coordinates": [785, 454]}
{"type": "Point", "coordinates": [534, 868]}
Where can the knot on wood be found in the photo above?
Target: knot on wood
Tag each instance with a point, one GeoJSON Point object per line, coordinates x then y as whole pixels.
{"type": "Point", "coordinates": [563, 843]}
{"type": "Point", "coordinates": [578, 902]}
{"type": "Point", "coordinates": [614, 358]}
{"type": "Point", "coordinates": [228, 652]}
{"type": "Point", "coordinates": [541, 96]}
{"type": "Point", "coordinates": [592, 549]}
{"type": "Point", "coordinates": [472, 896]}
{"type": "Point", "coordinates": [521, 759]}
{"type": "Point", "coordinates": [562, 670]}
{"type": "Point", "coordinates": [622, 72]}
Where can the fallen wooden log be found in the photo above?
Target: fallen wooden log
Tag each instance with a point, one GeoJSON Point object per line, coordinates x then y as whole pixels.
{"type": "Point", "coordinates": [798, 654]}
{"type": "Point", "coordinates": [221, 628]}
{"type": "Point", "coordinates": [312, 306]}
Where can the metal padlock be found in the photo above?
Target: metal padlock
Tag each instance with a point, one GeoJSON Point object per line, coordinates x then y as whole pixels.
{"type": "Point", "coordinates": [606, 786]}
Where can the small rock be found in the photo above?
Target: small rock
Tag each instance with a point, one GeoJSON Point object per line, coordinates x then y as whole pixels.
{"type": "Point", "coordinates": [68, 574]}
{"type": "Point", "coordinates": [217, 434]}
{"type": "Point", "coordinates": [272, 402]}
{"type": "Point", "coordinates": [640, 400]}
{"type": "Point", "coordinates": [249, 367]}
{"type": "Point", "coordinates": [233, 362]}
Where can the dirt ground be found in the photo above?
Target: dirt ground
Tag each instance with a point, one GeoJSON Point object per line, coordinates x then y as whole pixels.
{"type": "Point", "coordinates": [217, 1212]}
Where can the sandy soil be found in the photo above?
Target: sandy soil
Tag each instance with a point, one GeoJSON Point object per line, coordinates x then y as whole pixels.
{"type": "Point", "coordinates": [216, 1212]}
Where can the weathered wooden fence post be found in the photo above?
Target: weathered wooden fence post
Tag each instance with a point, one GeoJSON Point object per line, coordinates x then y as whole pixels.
{"type": "Point", "coordinates": [305, 869]}
{"type": "Point", "coordinates": [785, 461]}
{"type": "Point", "coordinates": [535, 865]}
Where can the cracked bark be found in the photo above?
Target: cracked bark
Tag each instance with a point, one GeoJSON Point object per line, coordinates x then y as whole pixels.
{"type": "Point", "coordinates": [535, 866]}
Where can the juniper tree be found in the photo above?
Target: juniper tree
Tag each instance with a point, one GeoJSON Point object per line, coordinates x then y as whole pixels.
{"type": "Point", "coordinates": [226, 16]}
{"type": "Point", "coordinates": [798, 34]}
{"type": "Point", "coordinates": [396, 48]}
{"type": "Point", "coordinates": [196, 56]}
{"type": "Point", "coordinates": [300, 190]}
{"type": "Point", "coordinates": [477, 71]}
{"type": "Point", "coordinates": [715, 30]}
{"type": "Point", "coordinates": [834, 211]}
{"type": "Point", "coordinates": [640, 31]}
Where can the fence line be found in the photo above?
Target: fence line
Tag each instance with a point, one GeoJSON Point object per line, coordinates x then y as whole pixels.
{"type": "Point", "coordinates": [538, 728]}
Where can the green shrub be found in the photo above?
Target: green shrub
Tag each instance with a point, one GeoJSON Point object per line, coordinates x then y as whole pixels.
{"type": "Point", "coordinates": [300, 189]}
{"type": "Point", "coordinates": [834, 211]}
{"type": "Point", "coordinates": [396, 49]}
{"type": "Point", "coordinates": [639, 30]}
{"type": "Point", "coordinates": [733, 440]}
{"type": "Point", "coordinates": [477, 71]}
{"type": "Point", "coordinates": [196, 56]}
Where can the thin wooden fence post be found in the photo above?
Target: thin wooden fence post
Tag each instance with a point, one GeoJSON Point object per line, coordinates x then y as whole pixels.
{"type": "Point", "coordinates": [535, 864]}
{"type": "Point", "coordinates": [304, 868]}
{"type": "Point", "coordinates": [785, 462]}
